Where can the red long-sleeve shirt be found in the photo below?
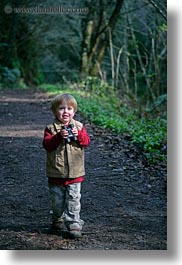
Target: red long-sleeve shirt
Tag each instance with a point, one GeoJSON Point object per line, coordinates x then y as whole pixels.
{"type": "Point", "coordinates": [51, 142]}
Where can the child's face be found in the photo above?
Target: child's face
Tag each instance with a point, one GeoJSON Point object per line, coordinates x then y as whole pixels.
{"type": "Point", "coordinates": [64, 113]}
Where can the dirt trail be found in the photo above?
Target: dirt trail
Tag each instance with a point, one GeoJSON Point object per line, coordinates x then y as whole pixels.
{"type": "Point", "coordinates": [123, 198]}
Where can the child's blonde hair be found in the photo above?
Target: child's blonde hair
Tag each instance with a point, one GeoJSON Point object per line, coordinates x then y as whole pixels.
{"type": "Point", "coordinates": [59, 99]}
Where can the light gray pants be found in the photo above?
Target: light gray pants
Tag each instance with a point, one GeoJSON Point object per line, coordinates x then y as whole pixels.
{"type": "Point", "coordinates": [66, 205]}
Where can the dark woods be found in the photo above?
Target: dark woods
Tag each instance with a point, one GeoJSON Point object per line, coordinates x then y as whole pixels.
{"type": "Point", "coordinates": [122, 42]}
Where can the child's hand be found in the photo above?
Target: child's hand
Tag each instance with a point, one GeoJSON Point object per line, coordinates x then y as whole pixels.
{"type": "Point", "coordinates": [64, 133]}
{"type": "Point", "coordinates": [75, 131]}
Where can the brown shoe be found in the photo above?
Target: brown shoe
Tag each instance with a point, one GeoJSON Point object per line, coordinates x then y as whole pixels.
{"type": "Point", "coordinates": [58, 225]}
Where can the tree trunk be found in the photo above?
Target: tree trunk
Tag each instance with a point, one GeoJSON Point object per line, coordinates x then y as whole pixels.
{"type": "Point", "coordinates": [96, 39]}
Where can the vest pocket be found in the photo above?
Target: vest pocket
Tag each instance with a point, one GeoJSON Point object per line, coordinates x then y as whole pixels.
{"type": "Point", "coordinates": [59, 163]}
{"type": "Point", "coordinates": [51, 158]}
{"type": "Point", "coordinates": [55, 161]}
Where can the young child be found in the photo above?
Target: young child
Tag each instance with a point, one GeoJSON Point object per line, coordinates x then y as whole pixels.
{"type": "Point", "coordinates": [65, 163]}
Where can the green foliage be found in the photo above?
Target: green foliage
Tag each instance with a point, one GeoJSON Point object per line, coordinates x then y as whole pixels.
{"type": "Point", "coordinates": [10, 75]}
{"type": "Point", "coordinates": [54, 88]}
{"type": "Point", "coordinates": [11, 78]}
{"type": "Point", "coordinates": [163, 27]}
{"type": "Point", "coordinates": [151, 134]}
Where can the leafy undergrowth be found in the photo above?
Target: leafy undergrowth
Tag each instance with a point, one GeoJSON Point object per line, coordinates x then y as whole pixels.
{"type": "Point", "coordinates": [108, 111]}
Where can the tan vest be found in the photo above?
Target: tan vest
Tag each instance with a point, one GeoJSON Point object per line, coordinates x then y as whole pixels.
{"type": "Point", "coordinates": [67, 161]}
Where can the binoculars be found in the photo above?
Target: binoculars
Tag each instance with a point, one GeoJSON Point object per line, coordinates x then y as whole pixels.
{"type": "Point", "coordinates": [71, 136]}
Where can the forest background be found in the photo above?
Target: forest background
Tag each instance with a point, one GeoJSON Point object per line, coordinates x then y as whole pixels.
{"type": "Point", "coordinates": [111, 55]}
